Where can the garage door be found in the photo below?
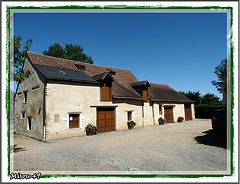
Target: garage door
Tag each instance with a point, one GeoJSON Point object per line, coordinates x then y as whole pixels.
{"type": "Point", "coordinates": [105, 119]}
{"type": "Point", "coordinates": [188, 112]}
{"type": "Point", "coordinates": [168, 114]}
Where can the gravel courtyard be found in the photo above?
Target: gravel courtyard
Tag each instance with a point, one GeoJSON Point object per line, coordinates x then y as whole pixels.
{"type": "Point", "coordinates": [187, 146]}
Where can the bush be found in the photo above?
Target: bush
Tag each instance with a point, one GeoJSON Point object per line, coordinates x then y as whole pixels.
{"type": "Point", "coordinates": [131, 124]}
{"type": "Point", "coordinates": [180, 119]}
{"type": "Point", "coordinates": [161, 121]}
{"type": "Point", "coordinates": [206, 111]}
{"type": "Point", "coordinates": [91, 129]}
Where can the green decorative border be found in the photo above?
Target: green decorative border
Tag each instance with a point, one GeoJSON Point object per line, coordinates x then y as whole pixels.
{"type": "Point", "coordinates": [122, 7]}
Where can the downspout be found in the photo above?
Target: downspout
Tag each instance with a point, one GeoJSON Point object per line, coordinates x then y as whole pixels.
{"type": "Point", "coordinates": [44, 109]}
{"type": "Point", "coordinates": [153, 112]}
{"type": "Point", "coordinates": [143, 112]}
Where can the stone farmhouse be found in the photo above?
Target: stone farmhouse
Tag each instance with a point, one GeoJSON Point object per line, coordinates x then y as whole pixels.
{"type": "Point", "coordinates": [62, 96]}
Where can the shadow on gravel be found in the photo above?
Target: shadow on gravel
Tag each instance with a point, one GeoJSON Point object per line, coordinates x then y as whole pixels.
{"type": "Point", "coordinates": [213, 139]}
{"type": "Point", "coordinates": [18, 149]}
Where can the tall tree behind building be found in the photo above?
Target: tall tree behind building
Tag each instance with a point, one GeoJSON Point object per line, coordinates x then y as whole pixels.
{"type": "Point", "coordinates": [221, 72]}
{"type": "Point", "coordinates": [71, 52]}
{"type": "Point", "coordinates": [221, 83]}
{"type": "Point", "coordinates": [20, 51]}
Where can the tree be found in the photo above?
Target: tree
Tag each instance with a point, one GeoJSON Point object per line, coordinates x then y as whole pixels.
{"type": "Point", "coordinates": [195, 96]}
{"type": "Point", "coordinates": [71, 52]}
{"type": "Point", "coordinates": [221, 72]}
{"type": "Point", "coordinates": [211, 99]}
{"type": "Point", "coordinates": [20, 51]}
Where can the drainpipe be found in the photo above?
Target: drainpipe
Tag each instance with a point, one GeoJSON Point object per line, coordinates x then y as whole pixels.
{"type": "Point", "coordinates": [153, 112]}
{"type": "Point", "coordinates": [44, 109]}
{"type": "Point", "coordinates": [143, 112]}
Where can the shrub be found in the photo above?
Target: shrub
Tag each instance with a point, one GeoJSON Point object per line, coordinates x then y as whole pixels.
{"type": "Point", "coordinates": [180, 119]}
{"type": "Point", "coordinates": [161, 121]}
{"type": "Point", "coordinates": [131, 124]}
{"type": "Point", "coordinates": [206, 111]}
{"type": "Point", "coordinates": [91, 129]}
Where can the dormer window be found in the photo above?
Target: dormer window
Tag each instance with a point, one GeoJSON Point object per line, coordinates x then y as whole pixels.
{"type": "Point", "coordinates": [141, 87]}
{"type": "Point", "coordinates": [80, 67]}
{"type": "Point", "coordinates": [105, 79]}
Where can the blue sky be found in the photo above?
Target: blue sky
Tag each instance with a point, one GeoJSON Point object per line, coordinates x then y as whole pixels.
{"type": "Point", "coordinates": [178, 49]}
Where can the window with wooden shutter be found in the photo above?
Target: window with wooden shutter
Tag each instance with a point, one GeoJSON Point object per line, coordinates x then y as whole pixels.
{"type": "Point", "coordinates": [144, 94]}
{"type": "Point", "coordinates": [129, 116]}
{"type": "Point", "coordinates": [106, 92]}
{"type": "Point", "coordinates": [73, 121]}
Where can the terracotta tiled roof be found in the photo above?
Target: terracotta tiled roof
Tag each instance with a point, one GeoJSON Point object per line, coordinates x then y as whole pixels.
{"type": "Point", "coordinates": [102, 75]}
{"type": "Point", "coordinates": [164, 93]}
{"type": "Point", "coordinates": [122, 79]}
{"type": "Point", "coordinates": [140, 83]}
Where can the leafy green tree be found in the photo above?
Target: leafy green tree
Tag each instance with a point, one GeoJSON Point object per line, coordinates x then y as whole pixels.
{"type": "Point", "coordinates": [71, 52]}
{"type": "Point", "coordinates": [195, 96]}
{"type": "Point", "coordinates": [20, 51]}
{"type": "Point", "coordinates": [55, 50]}
{"type": "Point", "coordinates": [211, 99]}
{"type": "Point", "coordinates": [221, 72]}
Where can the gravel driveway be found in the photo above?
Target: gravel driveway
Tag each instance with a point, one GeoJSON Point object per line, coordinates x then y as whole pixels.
{"type": "Point", "coordinates": [187, 146]}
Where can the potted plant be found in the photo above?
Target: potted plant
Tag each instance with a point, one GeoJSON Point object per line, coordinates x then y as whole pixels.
{"type": "Point", "coordinates": [180, 119]}
{"type": "Point", "coordinates": [91, 129]}
{"type": "Point", "coordinates": [161, 121]}
{"type": "Point", "coordinates": [131, 124]}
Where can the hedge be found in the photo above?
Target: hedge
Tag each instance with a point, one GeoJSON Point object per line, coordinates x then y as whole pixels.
{"type": "Point", "coordinates": [206, 111]}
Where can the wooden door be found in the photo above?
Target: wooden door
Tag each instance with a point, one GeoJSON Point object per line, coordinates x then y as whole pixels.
{"type": "Point", "coordinates": [168, 114]}
{"type": "Point", "coordinates": [188, 112]}
{"type": "Point", "coordinates": [106, 92]}
{"type": "Point", "coordinates": [105, 119]}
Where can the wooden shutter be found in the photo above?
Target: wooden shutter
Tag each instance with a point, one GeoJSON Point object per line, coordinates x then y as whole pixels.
{"type": "Point", "coordinates": [105, 92]}
{"type": "Point", "coordinates": [73, 120]}
{"type": "Point", "coordinates": [129, 113]}
{"type": "Point", "coordinates": [144, 94]}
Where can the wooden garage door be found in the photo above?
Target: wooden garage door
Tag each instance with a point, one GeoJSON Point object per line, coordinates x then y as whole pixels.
{"type": "Point", "coordinates": [105, 119]}
{"type": "Point", "coordinates": [168, 114]}
{"type": "Point", "coordinates": [188, 112]}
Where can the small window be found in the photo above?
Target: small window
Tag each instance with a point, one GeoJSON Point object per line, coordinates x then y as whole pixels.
{"type": "Point", "coordinates": [35, 88]}
{"type": "Point", "coordinates": [39, 110]}
{"type": "Point", "coordinates": [62, 73]}
{"type": "Point", "coordinates": [160, 109]}
{"type": "Point", "coordinates": [129, 116]}
{"type": "Point", "coordinates": [25, 96]}
{"type": "Point", "coordinates": [80, 67]}
{"type": "Point", "coordinates": [74, 121]}
{"type": "Point", "coordinates": [29, 123]}
{"type": "Point", "coordinates": [23, 115]}
{"type": "Point", "coordinates": [56, 118]}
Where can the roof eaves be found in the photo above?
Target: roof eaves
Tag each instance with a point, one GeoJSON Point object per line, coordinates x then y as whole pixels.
{"type": "Point", "coordinates": [125, 97]}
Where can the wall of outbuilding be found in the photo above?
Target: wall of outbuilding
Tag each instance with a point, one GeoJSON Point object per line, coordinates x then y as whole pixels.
{"type": "Point", "coordinates": [33, 107]}
{"type": "Point", "coordinates": [62, 99]}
